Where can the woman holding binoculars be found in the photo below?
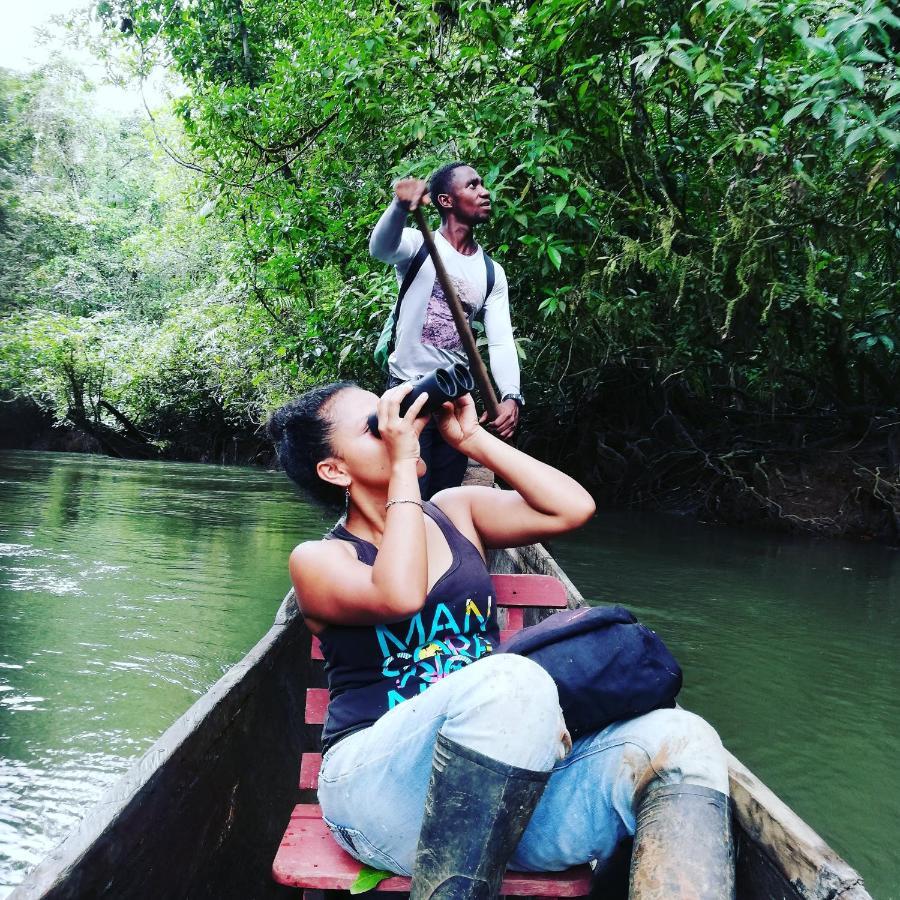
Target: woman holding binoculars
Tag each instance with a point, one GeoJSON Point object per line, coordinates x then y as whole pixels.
{"type": "Point", "coordinates": [442, 760]}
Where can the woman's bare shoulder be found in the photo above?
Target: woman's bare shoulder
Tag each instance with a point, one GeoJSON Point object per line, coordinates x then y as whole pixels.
{"type": "Point", "coordinates": [310, 562]}
{"type": "Point", "coordinates": [323, 551]}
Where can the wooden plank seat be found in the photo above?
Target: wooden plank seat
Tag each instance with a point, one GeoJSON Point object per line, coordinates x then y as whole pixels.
{"type": "Point", "coordinates": [308, 856]}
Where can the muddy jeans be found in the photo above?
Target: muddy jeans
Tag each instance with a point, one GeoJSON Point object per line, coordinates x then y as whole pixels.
{"type": "Point", "coordinates": [372, 784]}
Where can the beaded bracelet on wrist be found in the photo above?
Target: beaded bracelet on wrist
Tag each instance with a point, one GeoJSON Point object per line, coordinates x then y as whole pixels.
{"type": "Point", "coordinates": [418, 503]}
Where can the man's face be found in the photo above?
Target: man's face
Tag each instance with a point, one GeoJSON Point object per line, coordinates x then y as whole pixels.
{"type": "Point", "coordinates": [470, 198]}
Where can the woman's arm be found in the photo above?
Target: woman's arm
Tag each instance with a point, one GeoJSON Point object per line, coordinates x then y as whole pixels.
{"type": "Point", "coordinates": [333, 588]}
{"type": "Point", "coordinates": [543, 501]}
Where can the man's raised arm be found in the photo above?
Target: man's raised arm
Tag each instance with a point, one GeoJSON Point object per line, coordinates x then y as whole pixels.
{"type": "Point", "coordinates": [391, 242]}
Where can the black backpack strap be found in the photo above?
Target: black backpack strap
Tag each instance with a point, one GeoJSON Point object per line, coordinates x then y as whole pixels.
{"type": "Point", "coordinates": [489, 269]}
{"type": "Point", "coordinates": [491, 277]}
{"type": "Point", "coordinates": [408, 278]}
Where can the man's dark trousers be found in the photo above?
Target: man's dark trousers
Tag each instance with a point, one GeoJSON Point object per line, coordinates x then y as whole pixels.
{"type": "Point", "coordinates": [446, 466]}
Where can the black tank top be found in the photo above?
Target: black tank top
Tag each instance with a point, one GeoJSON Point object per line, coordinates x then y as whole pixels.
{"type": "Point", "coordinates": [372, 668]}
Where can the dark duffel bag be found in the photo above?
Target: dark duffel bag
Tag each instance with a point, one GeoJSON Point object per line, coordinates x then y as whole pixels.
{"type": "Point", "coordinates": [606, 665]}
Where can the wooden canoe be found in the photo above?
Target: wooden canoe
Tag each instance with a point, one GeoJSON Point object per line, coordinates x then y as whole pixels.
{"type": "Point", "coordinates": [201, 813]}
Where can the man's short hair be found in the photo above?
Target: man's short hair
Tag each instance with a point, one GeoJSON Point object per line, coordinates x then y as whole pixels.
{"type": "Point", "coordinates": [440, 183]}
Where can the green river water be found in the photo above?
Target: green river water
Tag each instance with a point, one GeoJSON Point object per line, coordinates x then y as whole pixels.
{"type": "Point", "coordinates": [128, 588]}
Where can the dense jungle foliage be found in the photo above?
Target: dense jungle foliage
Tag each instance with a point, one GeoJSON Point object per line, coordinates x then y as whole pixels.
{"type": "Point", "coordinates": [696, 205]}
{"type": "Point", "coordinates": [122, 313]}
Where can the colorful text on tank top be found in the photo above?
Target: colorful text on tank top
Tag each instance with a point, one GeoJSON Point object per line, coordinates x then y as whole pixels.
{"type": "Point", "coordinates": [435, 643]}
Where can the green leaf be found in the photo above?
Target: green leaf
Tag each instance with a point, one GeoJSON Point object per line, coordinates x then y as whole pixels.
{"type": "Point", "coordinates": [890, 135]}
{"type": "Point", "coordinates": [854, 136]}
{"type": "Point", "coordinates": [853, 76]}
{"type": "Point", "coordinates": [821, 46]}
{"type": "Point", "coordinates": [838, 122]}
{"type": "Point", "coordinates": [560, 204]}
{"type": "Point", "coordinates": [368, 879]}
{"type": "Point", "coordinates": [866, 55]}
{"type": "Point", "coordinates": [795, 111]}
{"type": "Point", "coordinates": [891, 113]}
{"type": "Point", "coordinates": [682, 60]}
{"type": "Point", "coordinates": [555, 257]}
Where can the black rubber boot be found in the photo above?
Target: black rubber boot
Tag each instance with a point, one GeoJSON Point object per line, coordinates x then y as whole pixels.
{"type": "Point", "coordinates": [683, 849]}
{"type": "Point", "coordinates": [475, 813]}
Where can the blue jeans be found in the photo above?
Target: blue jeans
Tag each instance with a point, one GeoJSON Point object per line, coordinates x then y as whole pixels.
{"type": "Point", "coordinates": [372, 784]}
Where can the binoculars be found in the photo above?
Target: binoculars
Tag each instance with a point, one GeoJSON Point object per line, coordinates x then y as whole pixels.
{"type": "Point", "coordinates": [441, 385]}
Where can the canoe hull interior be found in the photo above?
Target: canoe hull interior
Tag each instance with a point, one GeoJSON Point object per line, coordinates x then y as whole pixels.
{"type": "Point", "coordinates": [201, 814]}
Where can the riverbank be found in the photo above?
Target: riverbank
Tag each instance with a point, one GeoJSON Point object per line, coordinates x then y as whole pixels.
{"type": "Point", "coordinates": [764, 474]}
{"type": "Point", "coordinates": [831, 471]}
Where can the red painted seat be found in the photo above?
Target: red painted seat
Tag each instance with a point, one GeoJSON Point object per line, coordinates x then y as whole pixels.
{"type": "Point", "coordinates": [308, 856]}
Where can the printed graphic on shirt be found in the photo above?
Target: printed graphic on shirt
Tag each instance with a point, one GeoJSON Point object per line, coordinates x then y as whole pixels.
{"type": "Point", "coordinates": [424, 651]}
{"type": "Point", "coordinates": [439, 329]}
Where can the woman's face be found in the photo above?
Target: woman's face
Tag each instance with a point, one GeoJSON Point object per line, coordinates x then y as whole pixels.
{"type": "Point", "coordinates": [364, 456]}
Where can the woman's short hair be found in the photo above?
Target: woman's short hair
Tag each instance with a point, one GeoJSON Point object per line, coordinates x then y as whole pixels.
{"type": "Point", "coordinates": [301, 432]}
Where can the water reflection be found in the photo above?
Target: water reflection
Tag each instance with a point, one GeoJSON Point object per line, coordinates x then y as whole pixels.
{"type": "Point", "coordinates": [126, 590]}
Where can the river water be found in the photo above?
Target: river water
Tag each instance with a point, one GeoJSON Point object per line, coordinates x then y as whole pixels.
{"type": "Point", "coordinates": [128, 588]}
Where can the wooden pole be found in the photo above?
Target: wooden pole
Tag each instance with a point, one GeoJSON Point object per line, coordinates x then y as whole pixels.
{"type": "Point", "coordinates": [479, 372]}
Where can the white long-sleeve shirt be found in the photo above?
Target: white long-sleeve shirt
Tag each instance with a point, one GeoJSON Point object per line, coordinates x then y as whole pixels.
{"type": "Point", "coordinates": [426, 334]}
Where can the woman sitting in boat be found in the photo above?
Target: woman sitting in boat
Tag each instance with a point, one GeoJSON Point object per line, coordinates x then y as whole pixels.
{"type": "Point", "coordinates": [448, 771]}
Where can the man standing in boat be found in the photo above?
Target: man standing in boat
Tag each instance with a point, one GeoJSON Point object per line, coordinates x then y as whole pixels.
{"type": "Point", "coordinates": [426, 335]}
